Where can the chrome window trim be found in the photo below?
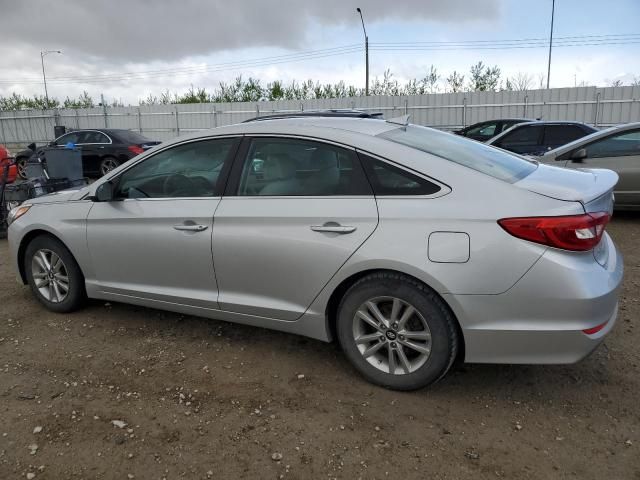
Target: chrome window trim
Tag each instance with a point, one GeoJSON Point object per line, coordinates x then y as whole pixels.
{"type": "Point", "coordinates": [444, 189]}
{"type": "Point", "coordinates": [85, 130]}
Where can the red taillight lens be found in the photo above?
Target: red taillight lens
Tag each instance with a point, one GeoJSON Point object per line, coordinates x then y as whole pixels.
{"type": "Point", "coordinates": [135, 149]}
{"type": "Point", "coordinates": [575, 232]}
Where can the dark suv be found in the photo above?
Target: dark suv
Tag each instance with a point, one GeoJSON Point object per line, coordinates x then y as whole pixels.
{"type": "Point", "coordinates": [537, 138]}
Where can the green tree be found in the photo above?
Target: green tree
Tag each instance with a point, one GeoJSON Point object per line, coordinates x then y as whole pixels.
{"type": "Point", "coordinates": [484, 78]}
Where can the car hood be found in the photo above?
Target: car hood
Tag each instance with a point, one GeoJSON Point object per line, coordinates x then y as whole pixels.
{"type": "Point", "coordinates": [58, 197]}
{"type": "Point", "coordinates": [581, 185]}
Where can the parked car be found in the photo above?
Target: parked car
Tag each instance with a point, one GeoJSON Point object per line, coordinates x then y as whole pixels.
{"type": "Point", "coordinates": [102, 149]}
{"type": "Point", "coordinates": [536, 138]}
{"type": "Point", "coordinates": [368, 231]}
{"type": "Point", "coordinates": [484, 131]}
{"type": "Point", "coordinates": [7, 160]}
{"type": "Point", "coordinates": [616, 148]}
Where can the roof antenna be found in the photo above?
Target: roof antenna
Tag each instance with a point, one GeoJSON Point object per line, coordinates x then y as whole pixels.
{"type": "Point", "coordinates": [403, 120]}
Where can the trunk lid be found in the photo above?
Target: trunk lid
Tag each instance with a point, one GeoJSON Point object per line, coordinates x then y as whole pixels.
{"type": "Point", "coordinates": [591, 187]}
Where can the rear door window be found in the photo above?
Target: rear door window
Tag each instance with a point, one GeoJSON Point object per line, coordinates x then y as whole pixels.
{"type": "Point", "coordinates": [558, 135]}
{"type": "Point", "coordinates": [296, 167]}
{"type": "Point", "coordinates": [525, 136]}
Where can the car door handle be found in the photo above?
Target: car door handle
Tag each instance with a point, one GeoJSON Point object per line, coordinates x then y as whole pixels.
{"type": "Point", "coordinates": [190, 228]}
{"type": "Point", "coordinates": [332, 228]}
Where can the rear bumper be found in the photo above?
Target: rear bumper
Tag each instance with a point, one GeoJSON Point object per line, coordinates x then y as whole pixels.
{"type": "Point", "coordinates": [541, 319]}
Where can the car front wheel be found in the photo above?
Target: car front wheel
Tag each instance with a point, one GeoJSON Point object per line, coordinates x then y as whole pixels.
{"type": "Point", "coordinates": [53, 275]}
{"type": "Point", "coordinates": [396, 331]}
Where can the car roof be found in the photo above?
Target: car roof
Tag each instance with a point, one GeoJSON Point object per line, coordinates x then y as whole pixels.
{"type": "Point", "coordinates": [594, 136]}
{"type": "Point", "coordinates": [330, 128]}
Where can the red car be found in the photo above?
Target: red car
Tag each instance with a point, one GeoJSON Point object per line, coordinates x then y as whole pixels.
{"type": "Point", "coordinates": [6, 159]}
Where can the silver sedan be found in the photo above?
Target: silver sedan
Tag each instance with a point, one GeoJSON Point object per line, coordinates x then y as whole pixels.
{"type": "Point", "coordinates": [411, 247]}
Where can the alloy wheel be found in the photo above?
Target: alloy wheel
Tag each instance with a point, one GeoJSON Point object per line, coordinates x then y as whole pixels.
{"type": "Point", "coordinates": [107, 165]}
{"type": "Point", "coordinates": [50, 275]}
{"type": "Point", "coordinates": [392, 335]}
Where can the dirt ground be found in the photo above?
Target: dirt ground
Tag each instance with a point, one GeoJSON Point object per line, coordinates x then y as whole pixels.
{"type": "Point", "coordinates": [205, 399]}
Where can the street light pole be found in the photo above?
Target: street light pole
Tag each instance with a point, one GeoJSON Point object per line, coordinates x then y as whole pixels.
{"type": "Point", "coordinates": [366, 53]}
{"type": "Point", "coordinates": [553, 9]}
{"type": "Point", "coordinates": [44, 76]}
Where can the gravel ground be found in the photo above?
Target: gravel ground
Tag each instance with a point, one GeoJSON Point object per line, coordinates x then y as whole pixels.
{"type": "Point", "coordinates": [117, 391]}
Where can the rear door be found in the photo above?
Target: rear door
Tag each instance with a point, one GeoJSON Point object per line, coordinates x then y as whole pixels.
{"type": "Point", "coordinates": [524, 140]}
{"type": "Point", "coordinates": [154, 240]}
{"type": "Point", "coordinates": [618, 152]}
{"type": "Point", "coordinates": [294, 211]}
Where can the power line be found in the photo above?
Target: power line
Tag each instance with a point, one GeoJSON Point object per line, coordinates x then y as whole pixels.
{"type": "Point", "coordinates": [209, 67]}
{"type": "Point", "coordinates": [507, 44]}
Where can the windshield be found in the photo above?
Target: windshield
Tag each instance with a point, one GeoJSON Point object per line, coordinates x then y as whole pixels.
{"type": "Point", "coordinates": [482, 158]}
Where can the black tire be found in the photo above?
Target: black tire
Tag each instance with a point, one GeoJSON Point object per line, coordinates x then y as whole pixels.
{"type": "Point", "coordinates": [76, 294]}
{"type": "Point", "coordinates": [107, 164]}
{"type": "Point", "coordinates": [441, 324]}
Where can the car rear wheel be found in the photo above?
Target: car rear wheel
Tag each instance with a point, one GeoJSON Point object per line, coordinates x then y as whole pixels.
{"type": "Point", "coordinates": [53, 275]}
{"type": "Point", "coordinates": [108, 164]}
{"type": "Point", "coordinates": [396, 331]}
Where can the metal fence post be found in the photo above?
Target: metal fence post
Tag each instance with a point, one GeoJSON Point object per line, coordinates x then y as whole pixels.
{"type": "Point", "coordinates": [464, 112]}
{"type": "Point", "coordinates": [77, 119]}
{"type": "Point", "coordinates": [595, 119]}
{"type": "Point", "coordinates": [104, 111]}
{"type": "Point", "coordinates": [215, 117]}
{"type": "Point", "coordinates": [526, 101]}
{"type": "Point", "coordinates": [257, 110]}
{"type": "Point", "coordinates": [406, 106]}
{"type": "Point", "coordinates": [301, 107]}
{"type": "Point", "coordinates": [30, 128]}
{"type": "Point", "coordinates": [2, 137]}
{"type": "Point", "coordinates": [177, 122]}
{"type": "Point", "coordinates": [139, 120]}
{"type": "Point", "coordinates": [16, 138]}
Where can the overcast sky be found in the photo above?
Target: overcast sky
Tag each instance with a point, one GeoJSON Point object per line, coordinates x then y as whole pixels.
{"type": "Point", "coordinates": [202, 42]}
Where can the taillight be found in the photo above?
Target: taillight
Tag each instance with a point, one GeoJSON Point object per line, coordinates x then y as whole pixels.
{"type": "Point", "coordinates": [574, 232]}
{"type": "Point", "coordinates": [135, 149]}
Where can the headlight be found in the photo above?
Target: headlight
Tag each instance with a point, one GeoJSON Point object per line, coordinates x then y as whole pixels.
{"type": "Point", "coordinates": [16, 213]}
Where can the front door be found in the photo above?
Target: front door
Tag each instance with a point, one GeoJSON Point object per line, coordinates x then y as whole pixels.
{"type": "Point", "coordinates": [153, 240]}
{"type": "Point", "coordinates": [621, 153]}
{"type": "Point", "coordinates": [294, 212]}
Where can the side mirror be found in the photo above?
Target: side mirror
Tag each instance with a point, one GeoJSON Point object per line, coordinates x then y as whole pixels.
{"type": "Point", "coordinates": [104, 193]}
{"type": "Point", "coordinates": [51, 144]}
{"type": "Point", "coordinates": [579, 155]}
{"type": "Point", "coordinates": [32, 147]}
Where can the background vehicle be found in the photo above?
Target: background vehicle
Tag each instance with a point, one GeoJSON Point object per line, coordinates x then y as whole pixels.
{"type": "Point", "coordinates": [366, 231]}
{"type": "Point", "coordinates": [536, 138]}
{"type": "Point", "coordinates": [102, 149]}
{"type": "Point", "coordinates": [484, 131]}
{"type": "Point", "coordinates": [616, 148]}
{"type": "Point", "coordinates": [8, 174]}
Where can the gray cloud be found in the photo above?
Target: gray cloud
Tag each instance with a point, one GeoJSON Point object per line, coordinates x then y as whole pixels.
{"type": "Point", "coordinates": [146, 30]}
